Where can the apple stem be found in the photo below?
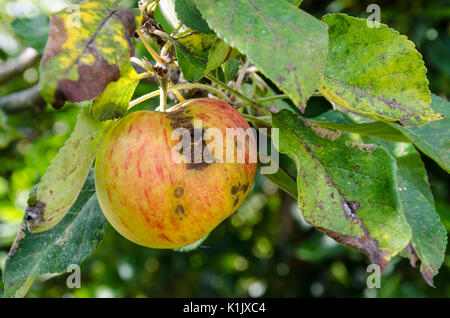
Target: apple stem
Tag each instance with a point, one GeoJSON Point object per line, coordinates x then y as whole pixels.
{"type": "Point", "coordinates": [153, 94]}
{"type": "Point", "coordinates": [163, 86]}
{"type": "Point", "coordinates": [252, 103]}
{"type": "Point", "coordinates": [264, 120]}
{"type": "Point", "coordinates": [264, 99]}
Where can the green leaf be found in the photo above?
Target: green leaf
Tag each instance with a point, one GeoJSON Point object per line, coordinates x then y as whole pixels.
{"type": "Point", "coordinates": [70, 242]}
{"type": "Point", "coordinates": [62, 182]}
{"type": "Point", "coordinates": [433, 139]}
{"type": "Point", "coordinates": [34, 31]}
{"type": "Point", "coordinates": [346, 189]}
{"type": "Point", "coordinates": [230, 69]}
{"type": "Point", "coordinates": [113, 102]}
{"type": "Point", "coordinates": [189, 15]}
{"type": "Point", "coordinates": [296, 3]}
{"type": "Point", "coordinates": [283, 178]}
{"type": "Point", "coordinates": [375, 72]}
{"type": "Point", "coordinates": [337, 120]}
{"type": "Point", "coordinates": [429, 236]}
{"type": "Point", "coordinates": [86, 51]}
{"type": "Point", "coordinates": [286, 44]}
{"type": "Point", "coordinates": [192, 67]}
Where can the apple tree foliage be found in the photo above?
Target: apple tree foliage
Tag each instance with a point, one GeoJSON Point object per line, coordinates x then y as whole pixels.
{"type": "Point", "coordinates": [359, 177]}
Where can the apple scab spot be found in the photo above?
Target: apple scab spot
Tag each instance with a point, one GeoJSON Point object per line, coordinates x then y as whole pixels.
{"type": "Point", "coordinates": [234, 189]}
{"type": "Point", "coordinates": [178, 192]}
{"type": "Point", "coordinates": [35, 214]}
{"type": "Point", "coordinates": [236, 202]}
{"type": "Point", "coordinates": [179, 210]}
{"type": "Point", "coordinates": [245, 187]}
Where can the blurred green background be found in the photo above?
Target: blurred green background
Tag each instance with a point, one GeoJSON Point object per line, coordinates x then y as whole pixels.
{"type": "Point", "coordinates": [265, 249]}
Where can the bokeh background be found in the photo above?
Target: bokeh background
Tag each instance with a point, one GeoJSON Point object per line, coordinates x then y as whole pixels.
{"type": "Point", "coordinates": [265, 249]}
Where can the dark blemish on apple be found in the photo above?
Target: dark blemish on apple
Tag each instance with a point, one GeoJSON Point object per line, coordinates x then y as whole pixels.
{"type": "Point", "coordinates": [180, 119]}
{"type": "Point", "coordinates": [178, 192]}
{"type": "Point", "coordinates": [234, 189]}
{"type": "Point", "coordinates": [236, 202]}
{"type": "Point", "coordinates": [163, 236]}
{"type": "Point", "coordinates": [35, 214]}
{"type": "Point", "coordinates": [179, 210]}
{"type": "Point", "coordinates": [245, 187]}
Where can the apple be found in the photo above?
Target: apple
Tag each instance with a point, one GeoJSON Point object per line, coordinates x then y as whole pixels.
{"type": "Point", "coordinates": [150, 189]}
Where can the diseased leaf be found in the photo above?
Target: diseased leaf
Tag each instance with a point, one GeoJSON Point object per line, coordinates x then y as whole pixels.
{"type": "Point", "coordinates": [62, 182]}
{"type": "Point", "coordinates": [193, 61]}
{"type": "Point", "coordinates": [375, 72]}
{"type": "Point", "coordinates": [219, 54]}
{"type": "Point", "coordinates": [85, 51]}
{"type": "Point", "coordinates": [346, 189]}
{"type": "Point", "coordinates": [433, 139]}
{"type": "Point", "coordinates": [335, 119]}
{"type": "Point", "coordinates": [286, 44]}
{"type": "Point", "coordinates": [189, 15]}
{"type": "Point", "coordinates": [113, 102]}
{"type": "Point", "coordinates": [429, 236]}
{"type": "Point", "coordinates": [70, 242]}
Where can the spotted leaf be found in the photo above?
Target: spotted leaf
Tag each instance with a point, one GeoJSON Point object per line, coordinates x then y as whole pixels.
{"type": "Point", "coordinates": [347, 190]}
{"type": "Point", "coordinates": [64, 178]}
{"type": "Point", "coordinates": [375, 72]}
{"type": "Point", "coordinates": [285, 43]}
{"type": "Point", "coordinates": [70, 242]}
{"type": "Point", "coordinates": [88, 47]}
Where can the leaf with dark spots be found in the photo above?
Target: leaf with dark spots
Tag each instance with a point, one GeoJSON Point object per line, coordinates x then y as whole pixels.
{"type": "Point", "coordinates": [84, 55]}
{"type": "Point", "coordinates": [334, 119]}
{"type": "Point", "coordinates": [70, 242]}
{"type": "Point", "coordinates": [288, 45]}
{"type": "Point", "coordinates": [357, 207]}
{"type": "Point", "coordinates": [375, 72]}
{"type": "Point", "coordinates": [62, 182]}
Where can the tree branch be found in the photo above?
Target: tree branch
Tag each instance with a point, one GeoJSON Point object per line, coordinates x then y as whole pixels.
{"type": "Point", "coordinates": [18, 65]}
{"type": "Point", "coordinates": [29, 99]}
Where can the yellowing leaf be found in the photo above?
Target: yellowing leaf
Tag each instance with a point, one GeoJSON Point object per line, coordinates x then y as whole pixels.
{"type": "Point", "coordinates": [113, 102]}
{"type": "Point", "coordinates": [62, 182]}
{"type": "Point", "coordinates": [85, 51]}
{"type": "Point", "coordinates": [375, 72]}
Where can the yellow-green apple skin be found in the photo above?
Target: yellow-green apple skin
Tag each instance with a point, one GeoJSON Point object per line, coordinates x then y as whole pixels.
{"type": "Point", "coordinates": [159, 202]}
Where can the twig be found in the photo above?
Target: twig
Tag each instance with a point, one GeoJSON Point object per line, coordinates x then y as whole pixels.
{"type": "Point", "coordinates": [18, 65]}
{"type": "Point", "coordinates": [238, 94]}
{"type": "Point", "coordinates": [29, 99]}
{"type": "Point", "coordinates": [178, 87]}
